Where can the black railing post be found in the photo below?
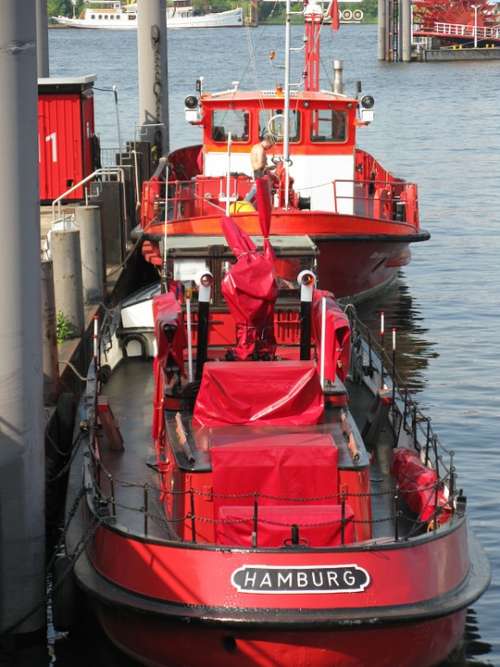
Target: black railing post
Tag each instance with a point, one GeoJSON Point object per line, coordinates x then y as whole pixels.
{"type": "Point", "coordinates": [342, 521]}
{"type": "Point", "coordinates": [452, 482]}
{"type": "Point", "coordinates": [146, 509]}
{"type": "Point", "coordinates": [112, 491]}
{"type": "Point", "coordinates": [396, 514]}
{"type": "Point", "coordinates": [307, 281]}
{"type": "Point", "coordinates": [255, 531]}
{"type": "Point", "coordinates": [427, 442]}
{"type": "Point", "coordinates": [204, 293]}
{"type": "Point", "coordinates": [192, 516]}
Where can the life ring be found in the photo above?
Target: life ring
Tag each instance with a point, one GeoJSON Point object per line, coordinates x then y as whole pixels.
{"type": "Point", "coordinates": [357, 15]}
{"type": "Point", "coordinates": [347, 15]}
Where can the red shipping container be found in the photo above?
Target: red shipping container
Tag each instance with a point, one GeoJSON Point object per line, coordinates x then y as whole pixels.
{"type": "Point", "coordinates": [67, 145]}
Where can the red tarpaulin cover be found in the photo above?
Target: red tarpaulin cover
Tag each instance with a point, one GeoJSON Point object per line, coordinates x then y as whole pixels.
{"type": "Point", "coordinates": [253, 392]}
{"type": "Point", "coordinates": [417, 484]}
{"type": "Point", "coordinates": [170, 346]}
{"type": "Point", "coordinates": [250, 291]}
{"type": "Point", "coordinates": [338, 336]}
{"type": "Point", "coordinates": [319, 525]}
{"type": "Point", "coordinates": [289, 466]}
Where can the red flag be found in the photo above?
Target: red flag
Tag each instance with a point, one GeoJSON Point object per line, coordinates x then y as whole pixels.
{"type": "Point", "coordinates": [333, 12]}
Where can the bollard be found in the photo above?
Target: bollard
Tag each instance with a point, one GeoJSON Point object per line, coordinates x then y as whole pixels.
{"type": "Point", "coordinates": [88, 220]}
{"type": "Point", "coordinates": [65, 246]}
{"type": "Point", "coordinates": [49, 337]}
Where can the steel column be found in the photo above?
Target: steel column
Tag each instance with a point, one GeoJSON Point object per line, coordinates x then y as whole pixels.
{"type": "Point", "coordinates": [22, 484]}
{"type": "Point", "coordinates": [42, 39]}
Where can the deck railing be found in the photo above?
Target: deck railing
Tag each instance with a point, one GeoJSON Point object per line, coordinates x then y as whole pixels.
{"type": "Point", "coordinates": [406, 418]}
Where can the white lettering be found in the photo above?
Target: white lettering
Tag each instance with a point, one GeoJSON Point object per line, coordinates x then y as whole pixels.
{"type": "Point", "coordinates": [349, 578]}
{"type": "Point", "coordinates": [250, 579]}
{"type": "Point", "coordinates": [332, 578]}
{"type": "Point", "coordinates": [266, 580]}
{"type": "Point", "coordinates": [52, 138]}
{"type": "Point", "coordinates": [301, 579]}
{"type": "Point", "coordinates": [285, 579]}
{"type": "Point", "coordinates": [315, 576]}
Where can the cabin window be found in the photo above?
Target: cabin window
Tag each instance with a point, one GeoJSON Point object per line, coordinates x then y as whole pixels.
{"type": "Point", "coordinates": [272, 120]}
{"type": "Point", "coordinates": [328, 125]}
{"type": "Point", "coordinates": [100, 16]}
{"type": "Point", "coordinates": [92, 16]}
{"type": "Point", "coordinates": [112, 16]}
{"type": "Point", "coordinates": [230, 120]}
{"type": "Point", "coordinates": [131, 17]}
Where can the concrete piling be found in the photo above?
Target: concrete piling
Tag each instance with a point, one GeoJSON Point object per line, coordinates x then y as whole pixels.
{"type": "Point", "coordinates": [88, 220]}
{"type": "Point", "coordinates": [153, 73]}
{"type": "Point", "coordinates": [406, 20]}
{"type": "Point", "coordinates": [42, 39]}
{"type": "Point", "coordinates": [49, 336]}
{"type": "Point", "coordinates": [22, 483]}
{"type": "Point", "coordinates": [66, 256]}
{"type": "Point", "coordinates": [338, 81]}
{"type": "Point", "coordinates": [382, 29]}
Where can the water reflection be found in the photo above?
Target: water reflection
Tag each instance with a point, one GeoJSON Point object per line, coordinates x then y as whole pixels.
{"type": "Point", "coordinates": [414, 346]}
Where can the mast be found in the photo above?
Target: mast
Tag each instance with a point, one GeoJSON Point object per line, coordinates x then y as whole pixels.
{"type": "Point", "coordinates": [286, 106]}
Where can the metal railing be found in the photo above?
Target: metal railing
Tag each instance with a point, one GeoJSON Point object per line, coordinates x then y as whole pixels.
{"type": "Point", "coordinates": [464, 30]}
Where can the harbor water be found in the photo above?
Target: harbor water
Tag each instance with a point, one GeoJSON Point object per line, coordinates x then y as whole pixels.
{"type": "Point", "coordinates": [435, 124]}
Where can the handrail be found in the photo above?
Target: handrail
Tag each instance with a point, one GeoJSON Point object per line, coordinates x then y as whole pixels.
{"type": "Point", "coordinates": [103, 171]}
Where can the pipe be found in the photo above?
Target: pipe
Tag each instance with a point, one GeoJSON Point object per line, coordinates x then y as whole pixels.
{"type": "Point", "coordinates": [49, 336]}
{"type": "Point", "coordinates": [323, 342]}
{"type": "Point", "coordinates": [204, 293]}
{"type": "Point", "coordinates": [189, 338]}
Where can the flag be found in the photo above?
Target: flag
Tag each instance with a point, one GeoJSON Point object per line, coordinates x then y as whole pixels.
{"type": "Point", "coordinates": [333, 13]}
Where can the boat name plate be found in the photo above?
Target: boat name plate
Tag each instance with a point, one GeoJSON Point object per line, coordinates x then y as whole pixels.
{"type": "Point", "coordinates": [345, 578]}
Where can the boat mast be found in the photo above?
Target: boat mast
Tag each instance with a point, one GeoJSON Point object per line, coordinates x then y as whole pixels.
{"type": "Point", "coordinates": [286, 107]}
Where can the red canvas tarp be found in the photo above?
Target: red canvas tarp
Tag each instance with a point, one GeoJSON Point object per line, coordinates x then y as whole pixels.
{"type": "Point", "coordinates": [319, 525]}
{"type": "Point", "coordinates": [171, 342]}
{"type": "Point", "coordinates": [418, 485]}
{"type": "Point", "coordinates": [250, 291]}
{"type": "Point", "coordinates": [337, 336]}
{"type": "Point", "coordinates": [284, 469]}
{"type": "Point", "coordinates": [253, 392]}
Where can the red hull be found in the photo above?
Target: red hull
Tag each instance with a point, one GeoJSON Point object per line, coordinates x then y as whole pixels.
{"type": "Point", "coordinates": [354, 260]}
{"type": "Point", "coordinates": [158, 642]}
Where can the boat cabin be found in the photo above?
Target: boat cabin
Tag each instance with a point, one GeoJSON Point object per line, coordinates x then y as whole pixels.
{"type": "Point", "coordinates": [322, 139]}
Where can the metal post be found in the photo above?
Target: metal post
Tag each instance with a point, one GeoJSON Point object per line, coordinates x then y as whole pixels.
{"type": "Point", "coordinates": [338, 82]}
{"type": "Point", "coordinates": [382, 29]}
{"type": "Point", "coordinates": [153, 74]}
{"type": "Point", "coordinates": [22, 498]}
{"type": "Point", "coordinates": [88, 220]}
{"type": "Point", "coordinates": [42, 39]}
{"type": "Point", "coordinates": [66, 256]}
{"type": "Point", "coordinates": [286, 104]}
{"type": "Point", "coordinates": [406, 30]}
{"type": "Point", "coordinates": [49, 336]}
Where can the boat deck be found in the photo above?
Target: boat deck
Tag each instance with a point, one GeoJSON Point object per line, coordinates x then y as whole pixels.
{"type": "Point", "coordinates": [129, 392]}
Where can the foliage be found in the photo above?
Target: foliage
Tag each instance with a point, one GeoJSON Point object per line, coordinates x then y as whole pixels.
{"type": "Point", "coordinates": [64, 328]}
{"type": "Point", "coordinates": [63, 7]}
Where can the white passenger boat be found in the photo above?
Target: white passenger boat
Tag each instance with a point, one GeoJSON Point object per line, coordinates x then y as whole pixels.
{"type": "Point", "coordinates": [112, 15]}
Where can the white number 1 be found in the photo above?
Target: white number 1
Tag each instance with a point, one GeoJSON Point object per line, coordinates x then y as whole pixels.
{"type": "Point", "coordinates": [53, 139]}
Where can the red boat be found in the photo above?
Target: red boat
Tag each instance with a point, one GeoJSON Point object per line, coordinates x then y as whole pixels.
{"type": "Point", "coordinates": [361, 217]}
{"type": "Point", "coordinates": [290, 504]}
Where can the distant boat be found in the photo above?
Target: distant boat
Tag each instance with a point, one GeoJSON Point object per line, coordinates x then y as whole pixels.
{"type": "Point", "coordinates": [112, 15]}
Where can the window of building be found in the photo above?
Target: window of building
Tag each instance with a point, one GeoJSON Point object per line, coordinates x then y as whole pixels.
{"type": "Point", "coordinates": [131, 17]}
{"type": "Point", "coordinates": [328, 125]}
{"type": "Point", "coordinates": [273, 121]}
{"type": "Point", "coordinates": [230, 120]}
